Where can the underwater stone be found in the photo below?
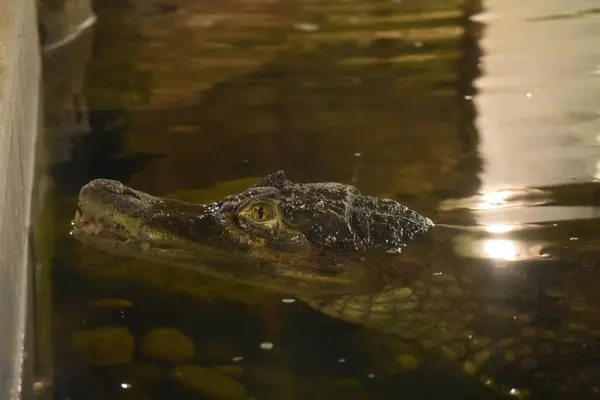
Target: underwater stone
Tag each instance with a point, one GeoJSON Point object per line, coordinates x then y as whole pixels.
{"type": "Point", "coordinates": [407, 362]}
{"type": "Point", "coordinates": [210, 382]}
{"type": "Point", "coordinates": [167, 344]}
{"type": "Point", "coordinates": [102, 347]}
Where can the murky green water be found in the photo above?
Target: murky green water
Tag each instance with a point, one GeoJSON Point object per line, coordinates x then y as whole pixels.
{"type": "Point", "coordinates": [196, 99]}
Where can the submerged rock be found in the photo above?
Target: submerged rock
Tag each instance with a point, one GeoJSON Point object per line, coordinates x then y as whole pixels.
{"type": "Point", "coordinates": [407, 362]}
{"type": "Point", "coordinates": [167, 344]}
{"type": "Point", "coordinates": [101, 347]}
{"type": "Point", "coordinates": [210, 382]}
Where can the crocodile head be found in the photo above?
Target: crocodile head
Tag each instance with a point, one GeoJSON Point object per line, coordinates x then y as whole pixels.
{"type": "Point", "coordinates": [297, 238]}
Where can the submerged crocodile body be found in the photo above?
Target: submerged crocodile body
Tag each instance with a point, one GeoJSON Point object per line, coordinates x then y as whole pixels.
{"type": "Point", "coordinates": [374, 262]}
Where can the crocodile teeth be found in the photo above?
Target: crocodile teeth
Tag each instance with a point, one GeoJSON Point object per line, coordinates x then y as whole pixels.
{"type": "Point", "coordinates": [145, 246]}
{"type": "Point", "coordinates": [77, 217]}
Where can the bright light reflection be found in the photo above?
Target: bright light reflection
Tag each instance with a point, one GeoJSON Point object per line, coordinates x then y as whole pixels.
{"type": "Point", "coordinates": [501, 249]}
{"type": "Point", "coordinates": [515, 392]}
{"type": "Point", "coordinates": [266, 345]}
{"type": "Point", "coordinates": [493, 200]}
{"type": "Point", "coordinates": [125, 385]}
{"type": "Point", "coordinates": [499, 228]}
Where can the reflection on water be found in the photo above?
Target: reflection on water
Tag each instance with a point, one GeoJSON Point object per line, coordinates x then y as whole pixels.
{"type": "Point", "coordinates": [501, 199]}
{"type": "Point", "coordinates": [538, 115]}
{"type": "Point", "coordinates": [538, 110]}
{"type": "Point", "coordinates": [194, 99]}
{"type": "Point", "coordinates": [502, 249]}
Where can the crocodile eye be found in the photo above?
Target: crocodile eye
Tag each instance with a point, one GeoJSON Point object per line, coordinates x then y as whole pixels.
{"type": "Point", "coordinates": [263, 212]}
{"type": "Point", "coordinates": [259, 213]}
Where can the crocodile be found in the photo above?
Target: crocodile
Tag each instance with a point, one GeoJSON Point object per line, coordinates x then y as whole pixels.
{"type": "Point", "coordinates": [524, 330]}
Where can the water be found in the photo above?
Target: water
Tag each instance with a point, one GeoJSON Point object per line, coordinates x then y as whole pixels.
{"type": "Point", "coordinates": [487, 124]}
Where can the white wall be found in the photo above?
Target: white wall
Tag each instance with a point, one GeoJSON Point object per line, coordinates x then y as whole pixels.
{"type": "Point", "coordinates": [19, 116]}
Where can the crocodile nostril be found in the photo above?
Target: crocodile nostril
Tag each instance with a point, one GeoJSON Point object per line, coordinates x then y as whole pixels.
{"type": "Point", "coordinates": [85, 191]}
{"type": "Point", "coordinates": [130, 192]}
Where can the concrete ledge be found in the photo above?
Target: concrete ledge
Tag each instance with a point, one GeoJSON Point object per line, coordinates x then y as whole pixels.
{"type": "Point", "coordinates": [19, 124]}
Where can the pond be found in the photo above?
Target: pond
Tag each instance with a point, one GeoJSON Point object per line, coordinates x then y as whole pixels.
{"type": "Point", "coordinates": [484, 119]}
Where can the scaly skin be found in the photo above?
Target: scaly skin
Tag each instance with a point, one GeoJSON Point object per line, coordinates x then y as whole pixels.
{"type": "Point", "coordinates": [523, 330]}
